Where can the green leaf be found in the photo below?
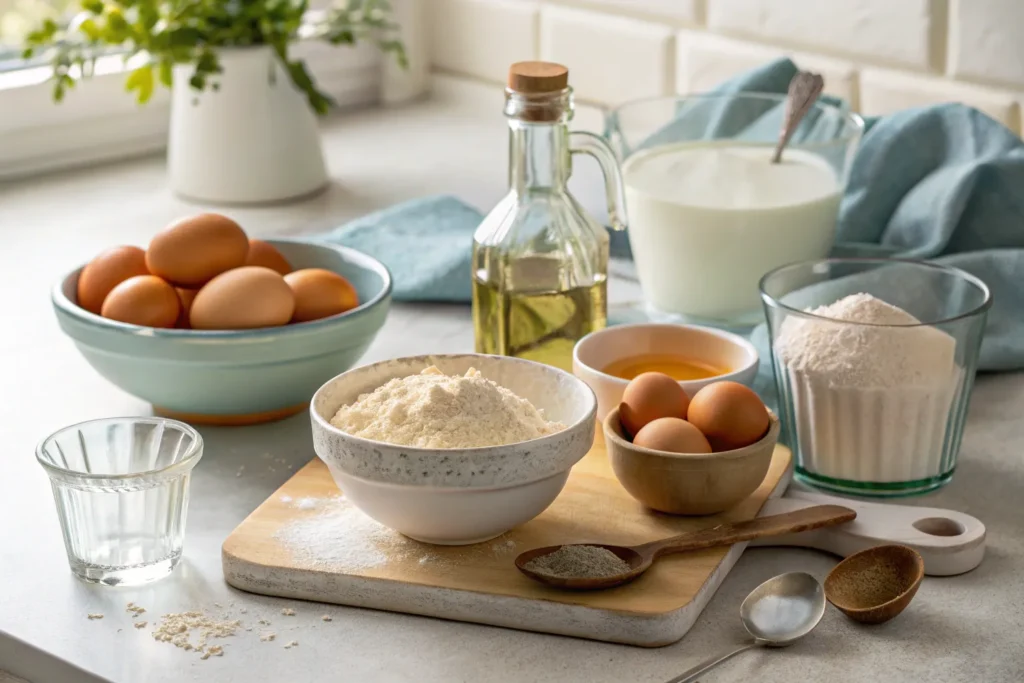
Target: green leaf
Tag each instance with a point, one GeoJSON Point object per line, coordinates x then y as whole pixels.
{"type": "Point", "coordinates": [149, 15]}
{"type": "Point", "coordinates": [116, 23]}
{"type": "Point", "coordinates": [90, 29]}
{"type": "Point", "coordinates": [141, 80]}
{"type": "Point", "coordinates": [190, 32]}
{"type": "Point", "coordinates": [166, 72]}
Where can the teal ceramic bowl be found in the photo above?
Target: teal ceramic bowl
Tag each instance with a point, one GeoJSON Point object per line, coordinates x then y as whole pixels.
{"type": "Point", "coordinates": [238, 376]}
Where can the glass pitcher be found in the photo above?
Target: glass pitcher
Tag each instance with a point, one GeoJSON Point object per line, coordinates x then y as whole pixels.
{"type": "Point", "coordinates": [540, 262]}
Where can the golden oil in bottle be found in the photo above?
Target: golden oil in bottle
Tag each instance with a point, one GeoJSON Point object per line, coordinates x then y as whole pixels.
{"type": "Point", "coordinates": [539, 325]}
{"type": "Point", "coordinates": [540, 263]}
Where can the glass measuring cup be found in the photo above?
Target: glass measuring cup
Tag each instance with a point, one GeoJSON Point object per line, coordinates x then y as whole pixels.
{"type": "Point", "coordinates": [121, 488]}
{"type": "Point", "coordinates": [709, 213]}
{"type": "Point", "coordinates": [898, 433]}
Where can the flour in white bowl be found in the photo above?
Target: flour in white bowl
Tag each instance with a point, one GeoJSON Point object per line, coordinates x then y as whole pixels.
{"type": "Point", "coordinates": [871, 400]}
{"type": "Point", "coordinates": [435, 410]}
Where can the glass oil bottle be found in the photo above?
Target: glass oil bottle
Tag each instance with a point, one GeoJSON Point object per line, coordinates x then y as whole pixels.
{"type": "Point", "coordinates": [540, 263]}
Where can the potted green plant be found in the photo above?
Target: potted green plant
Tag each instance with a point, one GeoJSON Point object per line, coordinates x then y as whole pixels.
{"type": "Point", "coordinates": [243, 127]}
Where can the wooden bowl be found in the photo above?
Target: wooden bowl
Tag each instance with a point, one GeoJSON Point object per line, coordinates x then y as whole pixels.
{"type": "Point", "coordinates": [689, 484]}
{"type": "Point", "coordinates": [876, 584]}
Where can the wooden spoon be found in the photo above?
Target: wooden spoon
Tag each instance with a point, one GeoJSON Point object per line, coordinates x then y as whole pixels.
{"type": "Point", "coordinates": [876, 584]}
{"type": "Point", "coordinates": [641, 557]}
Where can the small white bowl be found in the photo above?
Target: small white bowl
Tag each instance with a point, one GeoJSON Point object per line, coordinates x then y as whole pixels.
{"type": "Point", "coordinates": [456, 496]}
{"type": "Point", "coordinates": [717, 348]}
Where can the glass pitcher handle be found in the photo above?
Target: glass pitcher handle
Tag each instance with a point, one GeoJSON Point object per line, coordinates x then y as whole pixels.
{"type": "Point", "coordinates": [582, 142]}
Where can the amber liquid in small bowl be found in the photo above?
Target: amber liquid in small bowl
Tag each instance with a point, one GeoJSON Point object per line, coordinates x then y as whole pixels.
{"type": "Point", "coordinates": [676, 367]}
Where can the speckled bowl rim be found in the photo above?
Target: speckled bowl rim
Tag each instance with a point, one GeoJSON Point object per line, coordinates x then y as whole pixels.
{"type": "Point", "coordinates": [484, 457]}
{"type": "Point", "coordinates": [727, 337]}
{"type": "Point", "coordinates": [590, 417]}
{"type": "Point", "coordinates": [63, 303]}
{"type": "Point", "coordinates": [772, 435]}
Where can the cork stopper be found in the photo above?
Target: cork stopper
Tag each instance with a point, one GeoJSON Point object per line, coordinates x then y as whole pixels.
{"type": "Point", "coordinates": [537, 77]}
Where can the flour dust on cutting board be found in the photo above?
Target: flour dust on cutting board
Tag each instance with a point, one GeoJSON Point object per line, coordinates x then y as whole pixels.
{"type": "Point", "coordinates": [334, 535]}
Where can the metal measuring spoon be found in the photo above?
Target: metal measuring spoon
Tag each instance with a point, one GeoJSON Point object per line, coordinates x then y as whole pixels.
{"type": "Point", "coordinates": [639, 558]}
{"type": "Point", "coordinates": [804, 90]}
{"type": "Point", "coordinates": [777, 613]}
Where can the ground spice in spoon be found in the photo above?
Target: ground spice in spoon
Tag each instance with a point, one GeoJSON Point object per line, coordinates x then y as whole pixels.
{"type": "Point", "coordinates": [579, 561]}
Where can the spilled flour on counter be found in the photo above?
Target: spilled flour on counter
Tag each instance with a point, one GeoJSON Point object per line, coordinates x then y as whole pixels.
{"type": "Point", "coordinates": [335, 535]}
{"type": "Point", "coordinates": [177, 630]}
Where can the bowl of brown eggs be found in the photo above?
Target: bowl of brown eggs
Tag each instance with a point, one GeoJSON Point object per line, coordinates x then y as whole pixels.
{"type": "Point", "coordinates": [213, 327]}
{"type": "Point", "coordinates": [684, 456]}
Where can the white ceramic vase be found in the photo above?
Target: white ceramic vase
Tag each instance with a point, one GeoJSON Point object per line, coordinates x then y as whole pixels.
{"type": "Point", "coordinates": [254, 140]}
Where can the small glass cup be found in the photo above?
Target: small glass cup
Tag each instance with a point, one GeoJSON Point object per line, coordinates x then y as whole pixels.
{"type": "Point", "coordinates": [889, 422]}
{"type": "Point", "coordinates": [709, 213]}
{"type": "Point", "coordinates": [121, 489]}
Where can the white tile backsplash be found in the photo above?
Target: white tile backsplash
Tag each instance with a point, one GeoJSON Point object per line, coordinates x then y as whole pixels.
{"type": "Point", "coordinates": [482, 38]}
{"type": "Point", "coordinates": [899, 32]}
{"type": "Point", "coordinates": [673, 11]}
{"type": "Point", "coordinates": [987, 40]}
{"type": "Point", "coordinates": [883, 91]}
{"type": "Point", "coordinates": [909, 52]}
{"type": "Point", "coordinates": [704, 60]}
{"type": "Point", "coordinates": [611, 59]}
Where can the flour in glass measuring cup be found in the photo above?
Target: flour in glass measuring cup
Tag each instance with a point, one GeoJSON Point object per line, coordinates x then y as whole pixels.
{"type": "Point", "coordinates": [871, 400]}
{"type": "Point", "coordinates": [708, 219]}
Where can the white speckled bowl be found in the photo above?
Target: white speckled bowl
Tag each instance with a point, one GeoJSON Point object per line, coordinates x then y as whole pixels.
{"type": "Point", "coordinates": [456, 496]}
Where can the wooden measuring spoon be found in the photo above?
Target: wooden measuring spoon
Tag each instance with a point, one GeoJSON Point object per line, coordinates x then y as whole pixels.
{"type": "Point", "coordinates": [876, 584]}
{"type": "Point", "coordinates": [641, 557]}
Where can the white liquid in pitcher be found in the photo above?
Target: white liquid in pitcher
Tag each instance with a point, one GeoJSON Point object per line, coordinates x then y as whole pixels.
{"type": "Point", "coordinates": [707, 220]}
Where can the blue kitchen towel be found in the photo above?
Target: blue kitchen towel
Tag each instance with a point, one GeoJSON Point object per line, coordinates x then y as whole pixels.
{"type": "Point", "coordinates": [425, 243]}
{"type": "Point", "coordinates": [943, 183]}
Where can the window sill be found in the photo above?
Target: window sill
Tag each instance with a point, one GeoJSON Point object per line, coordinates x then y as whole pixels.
{"type": "Point", "coordinates": [98, 121]}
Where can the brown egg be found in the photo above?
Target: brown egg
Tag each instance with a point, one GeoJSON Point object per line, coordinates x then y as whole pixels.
{"type": "Point", "coordinates": [243, 298]}
{"type": "Point", "coordinates": [107, 271]}
{"type": "Point", "coordinates": [729, 414]}
{"type": "Point", "coordinates": [320, 293]}
{"type": "Point", "coordinates": [672, 435]}
{"type": "Point", "coordinates": [186, 297]}
{"type": "Point", "coordinates": [264, 254]}
{"type": "Point", "coordinates": [192, 251]}
{"type": "Point", "coordinates": [143, 300]}
{"type": "Point", "coordinates": [649, 396]}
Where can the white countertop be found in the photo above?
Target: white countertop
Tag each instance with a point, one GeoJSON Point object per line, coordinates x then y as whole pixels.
{"type": "Point", "coordinates": [965, 628]}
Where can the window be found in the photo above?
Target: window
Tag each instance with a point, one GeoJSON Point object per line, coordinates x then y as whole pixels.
{"type": "Point", "coordinates": [98, 121]}
{"type": "Point", "coordinates": [18, 17]}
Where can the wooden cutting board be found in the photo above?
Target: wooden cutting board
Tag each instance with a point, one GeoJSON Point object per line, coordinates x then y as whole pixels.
{"type": "Point", "coordinates": [480, 583]}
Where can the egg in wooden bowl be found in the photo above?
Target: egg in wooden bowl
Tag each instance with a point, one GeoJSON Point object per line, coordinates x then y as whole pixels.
{"type": "Point", "coordinates": [265, 366]}
{"type": "Point", "coordinates": [699, 459]}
